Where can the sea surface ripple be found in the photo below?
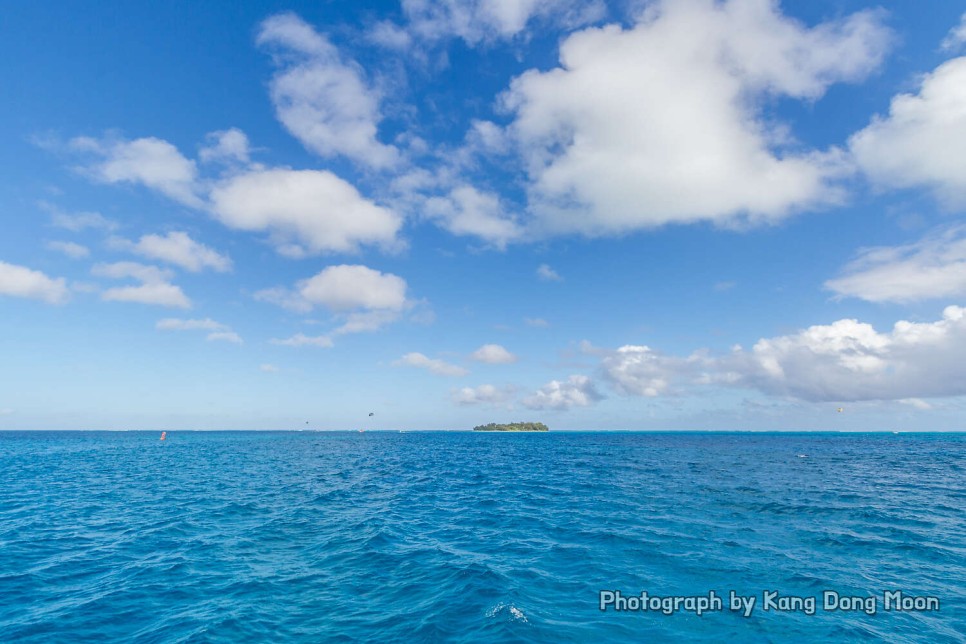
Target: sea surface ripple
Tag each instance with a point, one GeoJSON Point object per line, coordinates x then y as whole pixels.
{"type": "Point", "coordinates": [465, 537]}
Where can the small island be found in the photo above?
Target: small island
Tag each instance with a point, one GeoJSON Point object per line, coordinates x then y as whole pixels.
{"type": "Point", "coordinates": [512, 427]}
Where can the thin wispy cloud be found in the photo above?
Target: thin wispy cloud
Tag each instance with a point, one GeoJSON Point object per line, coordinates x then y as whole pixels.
{"type": "Point", "coordinates": [433, 365]}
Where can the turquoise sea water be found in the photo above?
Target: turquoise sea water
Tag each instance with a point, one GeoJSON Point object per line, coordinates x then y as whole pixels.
{"type": "Point", "coordinates": [458, 536]}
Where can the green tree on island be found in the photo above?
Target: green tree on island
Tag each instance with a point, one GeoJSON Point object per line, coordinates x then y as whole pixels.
{"type": "Point", "coordinates": [512, 427]}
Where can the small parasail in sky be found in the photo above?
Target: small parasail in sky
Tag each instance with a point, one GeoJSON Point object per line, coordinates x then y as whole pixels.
{"type": "Point", "coordinates": [371, 413]}
{"type": "Point", "coordinates": [840, 409]}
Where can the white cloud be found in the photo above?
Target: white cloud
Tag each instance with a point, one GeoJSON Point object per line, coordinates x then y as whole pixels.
{"type": "Point", "coordinates": [956, 37]}
{"type": "Point", "coordinates": [484, 394]}
{"type": "Point", "coordinates": [6, 411]}
{"type": "Point", "coordinates": [919, 143]}
{"type": "Point", "coordinates": [217, 330]}
{"type": "Point", "coordinates": [322, 98]}
{"type": "Point", "coordinates": [364, 298]}
{"type": "Point", "coordinates": [849, 360]}
{"type": "Point", "coordinates": [224, 336]}
{"type": "Point", "coordinates": [268, 368]}
{"type": "Point", "coordinates": [179, 249]}
{"type": "Point", "coordinates": [389, 35]}
{"type": "Point", "coordinates": [844, 361]}
{"type": "Point", "coordinates": [134, 270]}
{"type": "Point", "coordinates": [306, 211]}
{"type": "Point", "coordinates": [539, 323]}
{"type": "Point", "coordinates": [493, 354]}
{"type": "Point", "coordinates": [176, 324]}
{"type": "Point", "coordinates": [154, 288]}
{"type": "Point", "coordinates": [468, 211]}
{"type": "Point", "coordinates": [345, 287]}
{"type": "Point", "coordinates": [932, 267]}
{"type": "Point", "coordinates": [547, 274]}
{"type": "Point", "coordinates": [436, 366]}
{"type": "Point", "coordinates": [148, 161]}
{"type": "Point", "coordinates": [477, 21]}
{"type": "Point", "coordinates": [302, 340]}
{"type": "Point", "coordinates": [20, 281]}
{"type": "Point", "coordinates": [226, 146]}
{"type": "Point", "coordinates": [638, 370]}
{"type": "Point", "coordinates": [71, 249]}
{"type": "Point", "coordinates": [487, 136]}
{"type": "Point", "coordinates": [576, 391]}
{"type": "Point", "coordinates": [662, 123]}
{"type": "Point", "coordinates": [161, 294]}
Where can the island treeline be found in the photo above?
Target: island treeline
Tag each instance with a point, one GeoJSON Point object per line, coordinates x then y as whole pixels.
{"type": "Point", "coordinates": [512, 427]}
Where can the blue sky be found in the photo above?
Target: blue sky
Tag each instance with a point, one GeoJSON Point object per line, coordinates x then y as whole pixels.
{"type": "Point", "coordinates": [602, 215]}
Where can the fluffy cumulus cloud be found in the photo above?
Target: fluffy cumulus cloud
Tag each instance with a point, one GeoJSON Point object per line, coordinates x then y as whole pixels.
{"type": "Point", "coordinates": [638, 370]}
{"type": "Point", "coordinates": [305, 211]}
{"type": "Point", "coordinates": [850, 360]}
{"type": "Point", "coordinates": [482, 395]}
{"type": "Point", "coordinates": [660, 123]}
{"type": "Point", "coordinates": [345, 287]}
{"type": "Point", "coordinates": [151, 162]}
{"type": "Point", "coordinates": [493, 354]}
{"type": "Point", "coordinates": [434, 365]}
{"type": "Point", "coordinates": [466, 210]}
{"type": "Point", "coordinates": [846, 360]}
{"type": "Point", "coordinates": [20, 281]}
{"type": "Point", "coordinates": [226, 146]}
{"type": "Point", "coordinates": [932, 267]}
{"type": "Point", "coordinates": [155, 287]}
{"type": "Point", "coordinates": [477, 21]}
{"type": "Point", "coordinates": [920, 142]}
{"type": "Point", "coordinates": [576, 391]}
{"type": "Point", "coordinates": [364, 299]}
{"type": "Point", "coordinates": [320, 96]}
{"type": "Point", "coordinates": [179, 249]}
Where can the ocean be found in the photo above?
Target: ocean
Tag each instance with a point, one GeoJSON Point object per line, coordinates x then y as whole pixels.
{"type": "Point", "coordinates": [482, 537]}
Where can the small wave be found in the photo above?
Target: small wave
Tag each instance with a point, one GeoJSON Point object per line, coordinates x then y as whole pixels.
{"type": "Point", "coordinates": [514, 613]}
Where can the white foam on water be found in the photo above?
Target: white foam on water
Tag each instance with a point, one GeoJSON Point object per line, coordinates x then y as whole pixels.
{"type": "Point", "coordinates": [515, 612]}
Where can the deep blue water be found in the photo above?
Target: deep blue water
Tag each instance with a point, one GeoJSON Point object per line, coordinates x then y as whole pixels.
{"type": "Point", "coordinates": [456, 536]}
